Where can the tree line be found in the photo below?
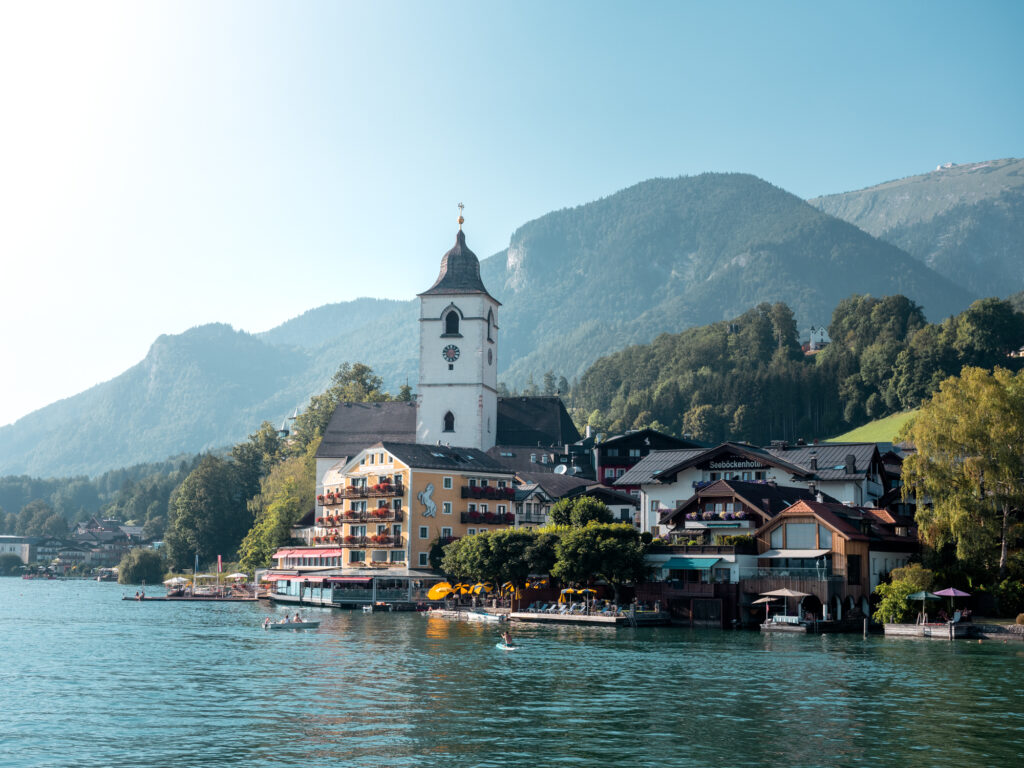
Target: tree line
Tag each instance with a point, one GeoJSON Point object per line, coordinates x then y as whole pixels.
{"type": "Point", "coordinates": [748, 378]}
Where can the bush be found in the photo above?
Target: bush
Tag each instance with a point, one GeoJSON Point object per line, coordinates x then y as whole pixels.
{"type": "Point", "coordinates": [9, 564]}
{"type": "Point", "coordinates": [1010, 596]}
{"type": "Point", "coordinates": [914, 574]}
{"type": "Point", "coordinates": [894, 608]}
{"type": "Point", "coordinates": [141, 566]}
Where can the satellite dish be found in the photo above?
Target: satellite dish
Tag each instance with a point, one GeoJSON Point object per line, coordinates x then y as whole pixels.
{"type": "Point", "coordinates": [560, 469]}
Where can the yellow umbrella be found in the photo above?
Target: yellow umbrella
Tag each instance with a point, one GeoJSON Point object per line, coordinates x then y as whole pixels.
{"type": "Point", "coordinates": [476, 589]}
{"type": "Point", "coordinates": [566, 591]}
{"type": "Point", "coordinates": [439, 591]}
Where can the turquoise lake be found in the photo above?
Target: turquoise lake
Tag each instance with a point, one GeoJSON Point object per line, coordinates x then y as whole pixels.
{"type": "Point", "coordinates": [87, 679]}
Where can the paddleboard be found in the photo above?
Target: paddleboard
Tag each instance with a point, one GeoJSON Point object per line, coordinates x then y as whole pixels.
{"type": "Point", "coordinates": [506, 647]}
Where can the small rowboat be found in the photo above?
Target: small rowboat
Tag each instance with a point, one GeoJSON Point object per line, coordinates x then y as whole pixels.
{"type": "Point", "coordinates": [295, 625]}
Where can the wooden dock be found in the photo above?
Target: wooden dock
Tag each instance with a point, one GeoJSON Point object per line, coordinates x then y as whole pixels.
{"type": "Point", "coordinates": [200, 599]}
{"type": "Point", "coordinates": [644, 619]}
{"type": "Point", "coordinates": [941, 631]}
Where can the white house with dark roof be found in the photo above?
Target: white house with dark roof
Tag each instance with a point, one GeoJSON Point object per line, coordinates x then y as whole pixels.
{"type": "Point", "coordinates": [668, 479]}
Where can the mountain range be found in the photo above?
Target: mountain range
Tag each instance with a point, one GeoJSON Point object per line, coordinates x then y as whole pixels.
{"type": "Point", "coordinates": [660, 256]}
{"type": "Point", "coordinates": [964, 221]}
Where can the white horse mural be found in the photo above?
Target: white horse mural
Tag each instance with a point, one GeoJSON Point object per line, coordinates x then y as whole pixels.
{"type": "Point", "coordinates": [429, 507]}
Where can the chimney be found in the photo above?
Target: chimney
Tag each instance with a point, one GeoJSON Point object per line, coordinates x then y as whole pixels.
{"type": "Point", "coordinates": [851, 464]}
{"type": "Point", "coordinates": [587, 431]}
{"type": "Point", "coordinates": [820, 498]}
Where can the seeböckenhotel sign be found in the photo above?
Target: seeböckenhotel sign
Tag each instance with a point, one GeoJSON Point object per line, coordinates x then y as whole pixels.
{"type": "Point", "coordinates": [736, 464]}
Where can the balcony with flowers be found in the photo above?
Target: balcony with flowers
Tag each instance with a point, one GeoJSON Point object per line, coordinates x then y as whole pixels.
{"type": "Point", "coordinates": [487, 492]}
{"type": "Point", "coordinates": [491, 518]}
{"type": "Point", "coordinates": [378, 515]}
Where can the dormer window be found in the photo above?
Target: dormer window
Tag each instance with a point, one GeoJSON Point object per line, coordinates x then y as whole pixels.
{"type": "Point", "coordinates": [449, 422]}
{"type": "Point", "coordinates": [451, 323]}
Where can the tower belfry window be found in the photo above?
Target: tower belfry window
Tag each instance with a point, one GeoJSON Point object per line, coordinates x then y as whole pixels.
{"type": "Point", "coordinates": [451, 323]}
{"type": "Point", "coordinates": [490, 325]}
{"type": "Point", "coordinates": [449, 422]}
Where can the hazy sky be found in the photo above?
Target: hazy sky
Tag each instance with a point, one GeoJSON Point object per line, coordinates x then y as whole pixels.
{"type": "Point", "coordinates": [164, 165]}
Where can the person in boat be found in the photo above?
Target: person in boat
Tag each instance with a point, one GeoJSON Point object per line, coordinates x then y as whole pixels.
{"type": "Point", "coordinates": [297, 619]}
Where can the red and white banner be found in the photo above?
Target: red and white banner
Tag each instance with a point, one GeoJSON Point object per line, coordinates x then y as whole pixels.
{"type": "Point", "coordinates": [219, 565]}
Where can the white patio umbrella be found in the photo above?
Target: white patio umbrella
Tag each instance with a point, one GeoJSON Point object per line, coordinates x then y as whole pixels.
{"type": "Point", "coordinates": [238, 576]}
{"type": "Point", "coordinates": [176, 581]}
{"type": "Point", "coordinates": [785, 592]}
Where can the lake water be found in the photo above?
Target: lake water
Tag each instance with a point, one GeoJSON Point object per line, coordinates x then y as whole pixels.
{"type": "Point", "coordinates": [89, 680]}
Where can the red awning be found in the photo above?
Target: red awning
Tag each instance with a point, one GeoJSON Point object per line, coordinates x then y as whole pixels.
{"type": "Point", "coordinates": [351, 579]}
{"type": "Point", "coordinates": [278, 577]}
{"type": "Point", "coordinates": [311, 552]}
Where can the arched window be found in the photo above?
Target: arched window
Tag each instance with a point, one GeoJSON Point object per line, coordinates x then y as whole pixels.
{"type": "Point", "coordinates": [490, 325]}
{"type": "Point", "coordinates": [451, 323]}
{"type": "Point", "coordinates": [449, 422]}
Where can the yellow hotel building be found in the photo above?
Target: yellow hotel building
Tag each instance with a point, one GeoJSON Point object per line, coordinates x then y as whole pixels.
{"type": "Point", "coordinates": [385, 508]}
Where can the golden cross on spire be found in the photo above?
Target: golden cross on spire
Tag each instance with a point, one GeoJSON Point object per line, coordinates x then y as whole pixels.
{"type": "Point", "coordinates": [461, 206]}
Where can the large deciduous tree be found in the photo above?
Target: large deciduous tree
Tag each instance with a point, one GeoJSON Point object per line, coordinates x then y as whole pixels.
{"type": "Point", "coordinates": [612, 552]}
{"type": "Point", "coordinates": [208, 514]}
{"type": "Point", "coordinates": [970, 464]}
{"type": "Point", "coordinates": [286, 494]}
{"type": "Point", "coordinates": [141, 566]}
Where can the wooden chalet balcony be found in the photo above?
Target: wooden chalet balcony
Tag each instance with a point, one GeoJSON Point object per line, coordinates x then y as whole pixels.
{"type": "Point", "coordinates": [487, 492]}
{"type": "Point", "coordinates": [362, 492]}
{"type": "Point", "coordinates": [488, 518]}
{"type": "Point", "coordinates": [357, 542]}
{"type": "Point", "coordinates": [379, 515]}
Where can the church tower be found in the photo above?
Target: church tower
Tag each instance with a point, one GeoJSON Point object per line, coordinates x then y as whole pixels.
{"type": "Point", "coordinates": [458, 390]}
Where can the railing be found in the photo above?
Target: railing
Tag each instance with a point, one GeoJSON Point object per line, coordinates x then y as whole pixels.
{"type": "Point", "coordinates": [493, 518]}
{"type": "Point", "coordinates": [362, 492]}
{"type": "Point", "coordinates": [531, 517]}
{"type": "Point", "coordinates": [345, 542]}
{"type": "Point", "coordinates": [797, 574]}
{"type": "Point", "coordinates": [379, 515]}
{"type": "Point", "coordinates": [487, 492]}
{"type": "Point", "coordinates": [702, 549]}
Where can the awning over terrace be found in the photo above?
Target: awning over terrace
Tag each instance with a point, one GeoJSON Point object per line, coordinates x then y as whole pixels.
{"type": "Point", "coordinates": [690, 563]}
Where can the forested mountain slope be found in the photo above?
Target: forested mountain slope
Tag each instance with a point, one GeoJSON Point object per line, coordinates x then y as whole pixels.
{"type": "Point", "coordinates": [965, 221]}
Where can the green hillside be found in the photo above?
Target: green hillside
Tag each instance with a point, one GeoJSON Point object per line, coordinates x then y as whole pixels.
{"type": "Point", "coordinates": [878, 431]}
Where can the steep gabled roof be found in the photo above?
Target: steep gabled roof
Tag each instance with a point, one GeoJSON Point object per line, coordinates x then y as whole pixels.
{"type": "Point", "coordinates": [754, 495]}
{"type": "Point", "coordinates": [659, 464]}
{"type": "Point", "coordinates": [534, 421]}
{"type": "Point", "coordinates": [454, 458]}
{"type": "Point", "coordinates": [517, 458]}
{"type": "Point", "coordinates": [355, 426]}
{"type": "Point", "coordinates": [831, 458]}
{"type": "Point", "coordinates": [652, 437]}
{"type": "Point", "coordinates": [837, 516]}
{"type": "Point", "coordinates": [555, 485]}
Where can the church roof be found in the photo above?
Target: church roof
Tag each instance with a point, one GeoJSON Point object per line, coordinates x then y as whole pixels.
{"type": "Point", "coordinates": [534, 421]}
{"type": "Point", "coordinates": [460, 271]}
{"type": "Point", "coordinates": [354, 426]}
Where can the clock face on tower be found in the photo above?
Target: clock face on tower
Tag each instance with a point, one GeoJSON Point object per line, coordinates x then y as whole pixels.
{"type": "Point", "coordinates": [450, 353]}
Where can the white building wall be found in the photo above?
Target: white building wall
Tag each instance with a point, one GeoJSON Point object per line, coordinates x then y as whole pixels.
{"type": "Point", "coordinates": [466, 387]}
